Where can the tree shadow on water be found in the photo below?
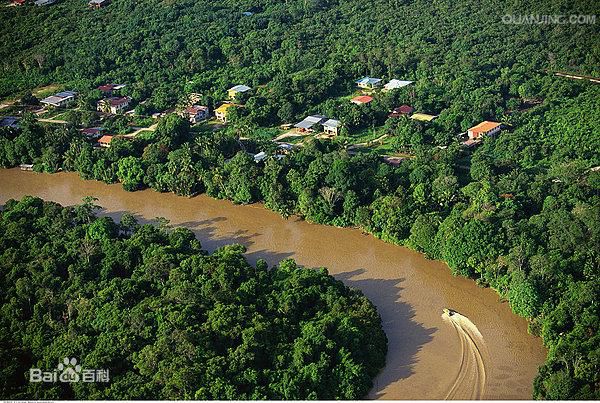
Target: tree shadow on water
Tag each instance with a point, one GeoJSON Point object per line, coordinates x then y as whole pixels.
{"type": "Point", "coordinates": [406, 337]}
{"type": "Point", "coordinates": [212, 238]}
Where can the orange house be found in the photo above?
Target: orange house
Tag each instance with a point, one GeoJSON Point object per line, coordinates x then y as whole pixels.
{"type": "Point", "coordinates": [485, 128]}
{"type": "Point", "coordinates": [105, 141]}
{"type": "Point", "coordinates": [361, 99]}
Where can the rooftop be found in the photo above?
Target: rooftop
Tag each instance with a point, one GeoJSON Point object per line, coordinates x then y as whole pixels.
{"type": "Point", "coordinates": [332, 123]}
{"type": "Point", "coordinates": [368, 81]}
{"type": "Point", "coordinates": [9, 121]}
{"type": "Point", "coordinates": [116, 101]}
{"type": "Point", "coordinates": [484, 126]}
{"type": "Point", "coordinates": [315, 118]}
{"type": "Point", "coordinates": [310, 121]}
{"type": "Point", "coordinates": [305, 124]}
{"type": "Point", "coordinates": [91, 130]}
{"type": "Point", "coordinates": [240, 88]}
{"type": "Point", "coordinates": [66, 94]}
{"type": "Point", "coordinates": [260, 156]}
{"type": "Point", "coordinates": [56, 98]}
{"type": "Point", "coordinates": [53, 99]}
{"type": "Point", "coordinates": [111, 87]}
{"type": "Point", "coordinates": [223, 108]}
{"type": "Point", "coordinates": [394, 84]}
{"type": "Point", "coordinates": [401, 110]}
{"type": "Point", "coordinates": [285, 146]}
{"type": "Point", "coordinates": [194, 109]}
{"type": "Point", "coordinates": [423, 117]}
{"type": "Point", "coordinates": [362, 99]}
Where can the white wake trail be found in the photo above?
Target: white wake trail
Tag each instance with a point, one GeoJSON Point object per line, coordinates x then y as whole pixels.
{"type": "Point", "coordinates": [469, 382]}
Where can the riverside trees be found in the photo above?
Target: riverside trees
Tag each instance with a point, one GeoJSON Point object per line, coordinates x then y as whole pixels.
{"type": "Point", "coordinates": [167, 319]}
{"type": "Point", "coordinates": [523, 219]}
{"type": "Point", "coordinates": [520, 213]}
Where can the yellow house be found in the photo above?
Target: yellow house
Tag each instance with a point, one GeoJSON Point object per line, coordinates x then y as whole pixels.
{"type": "Point", "coordinates": [423, 117]}
{"type": "Point", "coordinates": [222, 111]}
{"type": "Point", "coordinates": [238, 89]}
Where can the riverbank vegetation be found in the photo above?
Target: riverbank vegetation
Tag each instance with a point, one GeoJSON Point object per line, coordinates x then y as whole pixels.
{"type": "Point", "coordinates": [167, 319]}
{"type": "Point", "coordinates": [519, 214]}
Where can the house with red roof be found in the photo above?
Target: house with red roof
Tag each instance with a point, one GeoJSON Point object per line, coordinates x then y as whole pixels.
{"type": "Point", "coordinates": [403, 110]}
{"type": "Point", "coordinates": [485, 128]}
{"type": "Point", "coordinates": [361, 99]}
{"type": "Point", "coordinates": [105, 141]}
{"type": "Point", "coordinates": [196, 113]}
{"type": "Point", "coordinates": [92, 132]}
{"type": "Point", "coordinates": [114, 105]}
{"type": "Point", "coordinates": [109, 90]}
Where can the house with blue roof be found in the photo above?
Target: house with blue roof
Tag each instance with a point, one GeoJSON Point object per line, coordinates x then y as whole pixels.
{"type": "Point", "coordinates": [369, 83]}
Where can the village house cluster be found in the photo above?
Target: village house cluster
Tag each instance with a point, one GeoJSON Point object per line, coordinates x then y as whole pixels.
{"type": "Point", "coordinates": [114, 102]}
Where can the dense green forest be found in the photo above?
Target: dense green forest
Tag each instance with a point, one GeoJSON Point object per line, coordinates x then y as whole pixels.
{"type": "Point", "coordinates": [299, 55]}
{"type": "Point", "coordinates": [520, 213]}
{"type": "Point", "coordinates": [167, 319]}
{"type": "Point", "coordinates": [523, 217]}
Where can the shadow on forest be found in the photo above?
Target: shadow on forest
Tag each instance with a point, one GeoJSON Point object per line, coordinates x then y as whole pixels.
{"type": "Point", "coordinates": [406, 337]}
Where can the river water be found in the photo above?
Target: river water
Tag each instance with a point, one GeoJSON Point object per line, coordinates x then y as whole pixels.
{"type": "Point", "coordinates": [485, 353]}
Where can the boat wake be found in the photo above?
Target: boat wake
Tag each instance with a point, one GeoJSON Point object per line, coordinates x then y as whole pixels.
{"type": "Point", "coordinates": [469, 382]}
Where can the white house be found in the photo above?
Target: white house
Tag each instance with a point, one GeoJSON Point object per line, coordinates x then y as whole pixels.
{"type": "Point", "coordinates": [114, 105]}
{"type": "Point", "coordinates": [485, 128]}
{"type": "Point", "coordinates": [331, 127]}
{"type": "Point", "coordinates": [310, 122]}
{"type": "Point", "coordinates": [394, 84]}
{"type": "Point", "coordinates": [60, 100]}
{"type": "Point", "coordinates": [196, 113]}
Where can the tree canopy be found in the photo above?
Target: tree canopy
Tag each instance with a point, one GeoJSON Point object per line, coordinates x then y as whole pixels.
{"type": "Point", "coordinates": [167, 319]}
{"type": "Point", "coordinates": [519, 213]}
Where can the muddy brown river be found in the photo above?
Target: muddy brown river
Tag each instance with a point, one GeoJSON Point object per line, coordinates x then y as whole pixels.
{"type": "Point", "coordinates": [485, 352]}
